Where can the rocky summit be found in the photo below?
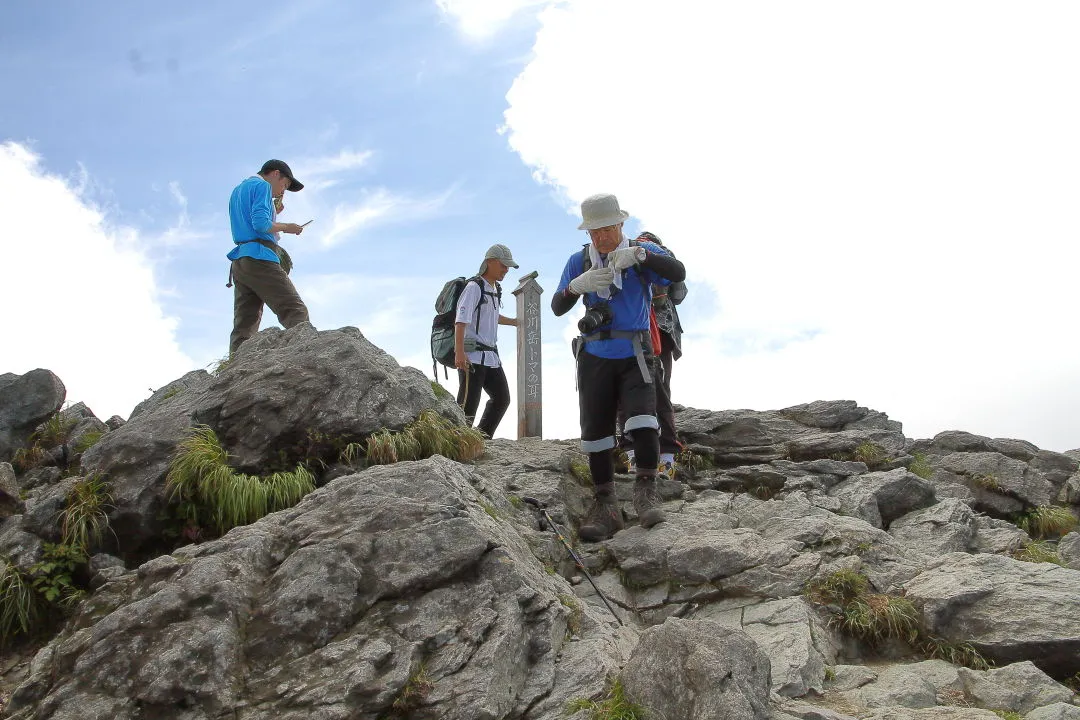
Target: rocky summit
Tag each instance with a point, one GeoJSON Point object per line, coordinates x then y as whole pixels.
{"type": "Point", "coordinates": [310, 532]}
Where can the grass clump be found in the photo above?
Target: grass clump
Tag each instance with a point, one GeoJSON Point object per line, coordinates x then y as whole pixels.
{"type": "Point", "coordinates": [870, 454]}
{"type": "Point", "coordinates": [210, 493]}
{"type": "Point", "coordinates": [921, 466]}
{"type": "Point", "coordinates": [1047, 521]}
{"type": "Point", "coordinates": [986, 481]}
{"type": "Point", "coordinates": [85, 516]}
{"type": "Point", "coordinates": [88, 440]}
{"type": "Point", "coordinates": [1038, 551]}
{"type": "Point", "coordinates": [430, 434]}
{"type": "Point", "coordinates": [52, 433]}
{"type": "Point", "coordinates": [440, 392]}
{"type": "Point", "coordinates": [1008, 714]}
{"type": "Point", "coordinates": [613, 706]}
{"type": "Point", "coordinates": [21, 607]}
{"type": "Point", "coordinates": [876, 617]}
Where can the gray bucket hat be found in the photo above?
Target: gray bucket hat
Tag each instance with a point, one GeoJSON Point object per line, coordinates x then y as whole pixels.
{"type": "Point", "coordinates": [500, 253]}
{"type": "Point", "coordinates": [601, 210]}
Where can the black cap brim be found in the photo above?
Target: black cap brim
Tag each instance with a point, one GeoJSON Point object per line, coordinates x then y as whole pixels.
{"type": "Point", "coordinates": [295, 185]}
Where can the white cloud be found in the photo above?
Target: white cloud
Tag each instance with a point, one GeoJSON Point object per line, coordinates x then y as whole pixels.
{"type": "Point", "coordinates": [378, 207]}
{"type": "Point", "coordinates": [480, 19]}
{"type": "Point", "coordinates": [346, 160]}
{"type": "Point", "coordinates": [81, 295]}
{"type": "Point", "coordinates": [881, 197]}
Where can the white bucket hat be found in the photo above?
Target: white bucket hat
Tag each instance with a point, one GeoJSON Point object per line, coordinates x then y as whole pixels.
{"type": "Point", "coordinates": [601, 210]}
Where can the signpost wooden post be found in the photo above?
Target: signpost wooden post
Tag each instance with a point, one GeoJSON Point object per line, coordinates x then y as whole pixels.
{"type": "Point", "coordinates": [529, 379]}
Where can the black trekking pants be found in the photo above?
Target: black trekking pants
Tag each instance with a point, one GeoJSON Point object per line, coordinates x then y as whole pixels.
{"type": "Point", "coordinates": [491, 380]}
{"type": "Point", "coordinates": [665, 413]}
{"type": "Point", "coordinates": [605, 386]}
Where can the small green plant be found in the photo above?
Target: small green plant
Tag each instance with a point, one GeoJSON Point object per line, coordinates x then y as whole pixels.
{"type": "Point", "coordinates": [54, 576]}
{"type": "Point", "coordinates": [27, 458]}
{"type": "Point", "coordinates": [878, 617]}
{"type": "Point", "coordinates": [412, 694]}
{"type": "Point", "coordinates": [88, 440]}
{"type": "Point", "coordinates": [1038, 551]}
{"type": "Point", "coordinates": [870, 454]}
{"type": "Point", "coordinates": [838, 588]}
{"type": "Point", "coordinates": [986, 481]}
{"type": "Point", "coordinates": [830, 673]}
{"type": "Point", "coordinates": [54, 432]}
{"type": "Point", "coordinates": [921, 466]}
{"type": "Point", "coordinates": [573, 621]}
{"type": "Point", "coordinates": [694, 461]}
{"type": "Point", "coordinates": [580, 470]}
{"type": "Point", "coordinates": [211, 493]}
{"type": "Point", "coordinates": [1009, 715]}
{"type": "Point", "coordinates": [21, 607]}
{"type": "Point", "coordinates": [171, 392]}
{"type": "Point", "coordinates": [85, 516]}
{"type": "Point", "coordinates": [1047, 521]}
{"type": "Point", "coordinates": [440, 392]}
{"type": "Point", "coordinates": [517, 502]}
{"type": "Point", "coordinates": [762, 492]}
{"type": "Point", "coordinates": [490, 510]}
{"type": "Point", "coordinates": [613, 706]}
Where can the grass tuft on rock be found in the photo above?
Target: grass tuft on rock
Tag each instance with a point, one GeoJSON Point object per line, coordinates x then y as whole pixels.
{"type": "Point", "coordinates": [213, 494]}
{"type": "Point", "coordinates": [921, 466]}
{"type": "Point", "coordinates": [870, 454]}
{"type": "Point", "coordinates": [1047, 521]}
{"type": "Point", "coordinates": [412, 695]}
{"type": "Point", "coordinates": [1038, 551]}
{"type": "Point", "coordinates": [613, 706]}
{"type": "Point", "coordinates": [877, 617]}
{"type": "Point", "coordinates": [430, 434]}
{"type": "Point", "coordinates": [21, 608]}
{"type": "Point", "coordinates": [85, 518]}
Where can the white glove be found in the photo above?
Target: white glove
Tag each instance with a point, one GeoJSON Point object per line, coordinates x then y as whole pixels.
{"type": "Point", "coordinates": [594, 280]}
{"type": "Point", "coordinates": [626, 257]}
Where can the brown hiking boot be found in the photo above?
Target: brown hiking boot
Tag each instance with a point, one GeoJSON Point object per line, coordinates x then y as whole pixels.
{"type": "Point", "coordinates": [647, 502]}
{"type": "Point", "coordinates": [603, 520]}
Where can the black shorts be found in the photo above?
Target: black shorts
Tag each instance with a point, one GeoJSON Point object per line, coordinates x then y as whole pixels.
{"type": "Point", "coordinates": [603, 386]}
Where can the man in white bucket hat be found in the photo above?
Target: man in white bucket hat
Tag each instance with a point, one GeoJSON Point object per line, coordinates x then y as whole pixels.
{"type": "Point", "coordinates": [615, 358]}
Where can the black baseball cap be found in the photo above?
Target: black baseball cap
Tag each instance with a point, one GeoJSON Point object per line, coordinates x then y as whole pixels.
{"type": "Point", "coordinates": [279, 165]}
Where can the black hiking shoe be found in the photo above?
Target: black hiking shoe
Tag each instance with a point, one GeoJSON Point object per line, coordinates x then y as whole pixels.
{"type": "Point", "coordinates": [647, 502]}
{"type": "Point", "coordinates": [604, 519]}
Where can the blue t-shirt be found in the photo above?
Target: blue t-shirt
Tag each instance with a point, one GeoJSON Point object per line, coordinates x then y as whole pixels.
{"type": "Point", "coordinates": [629, 307]}
{"type": "Point", "coordinates": [251, 215]}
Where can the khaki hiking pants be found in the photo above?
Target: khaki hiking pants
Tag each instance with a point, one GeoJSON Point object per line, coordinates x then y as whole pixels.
{"type": "Point", "coordinates": [256, 282]}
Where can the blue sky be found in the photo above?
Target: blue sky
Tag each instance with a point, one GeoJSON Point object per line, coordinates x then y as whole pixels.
{"type": "Point", "coordinates": [875, 202]}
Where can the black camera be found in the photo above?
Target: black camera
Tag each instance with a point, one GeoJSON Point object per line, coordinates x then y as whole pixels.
{"type": "Point", "coordinates": [596, 316]}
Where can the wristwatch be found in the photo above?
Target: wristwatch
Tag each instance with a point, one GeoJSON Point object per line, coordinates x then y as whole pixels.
{"type": "Point", "coordinates": [640, 254]}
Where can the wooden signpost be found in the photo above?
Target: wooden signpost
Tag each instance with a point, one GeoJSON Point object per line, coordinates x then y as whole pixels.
{"type": "Point", "coordinates": [529, 380]}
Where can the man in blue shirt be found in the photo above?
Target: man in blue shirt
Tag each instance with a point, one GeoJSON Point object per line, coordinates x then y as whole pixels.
{"type": "Point", "coordinates": [256, 272]}
{"type": "Point", "coordinates": [615, 358]}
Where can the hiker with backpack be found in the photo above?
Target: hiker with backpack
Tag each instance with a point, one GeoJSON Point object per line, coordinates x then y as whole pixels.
{"type": "Point", "coordinates": [668, 329]}
{"type": "Point", "coordinates": [476, 351]}
{"type": "Point", "coordinates": [614, 278]}
{"type": "Point", "coordinates": [257, 270]}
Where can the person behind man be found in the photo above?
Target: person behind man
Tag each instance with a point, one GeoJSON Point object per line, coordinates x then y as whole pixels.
{"type": "Point", "coordinates": [476, 353]}
{"type": "Point", "coordinates": [615, 363]}
{"type": "Point", "coordinates": [256, 273]}
{"type": "Point", "coordinates": [664, 300]}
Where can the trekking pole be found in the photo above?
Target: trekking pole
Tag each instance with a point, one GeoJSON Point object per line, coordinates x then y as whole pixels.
{"type": "Point", "coordinates": [577, 560]}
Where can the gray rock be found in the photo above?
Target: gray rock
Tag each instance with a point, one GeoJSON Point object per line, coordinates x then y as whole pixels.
{"type": "Point", "coordinates": [115, 422]}
{"type": "Point", "coordinates": [1070, 491]}
{"type": "Point", "coordinates": [43, 508]}
{"type": "Point", "coordinates": [849, 677]}
{"type": "Point", "coordinates": [998, 481]}
{"type": "Point", "coordinates": [1007, 609]}
{"type": "Point", "coordinates": [952, 441]}
{"type": "Point", "coordinates": [1055, 711]}
{"type": "Point", "coordinates": [280, 387]}
{"type": "Point", "coordinates": [22, 548]}
{"type": "Point", "coordinates": [997, 536]}
{"type": "Point", "coordinates": [1019, 687]}
{"type": "Point", "coordinates": [698, 670]}
{"type": "Point", "coordinates": [881, 497]}
{"type": "Point", "coordinates": [1069, 550]}
{"type": "Point", "coordinates": [932, 713]}
{"type": "Point", "coordinates": [793, 637]}
{"type": "Point", "coordinates": [10, 501]}
{"type": "Point", "coordinates": [912, 686]}
{"type": "Point", "coordinates": [327, 610]}
{"type": "Point", "coordinates": [948, 526]}
{"type": "Point", "coordinates": [26, 401]}
{"type": "Point", "coordinates": [809, 711]}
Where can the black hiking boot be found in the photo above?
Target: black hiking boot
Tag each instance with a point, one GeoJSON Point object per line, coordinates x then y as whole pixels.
{"type": "Point", "coordinates": [604, 518]}
{"type": "Point", "coordinates": [647, 501]}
